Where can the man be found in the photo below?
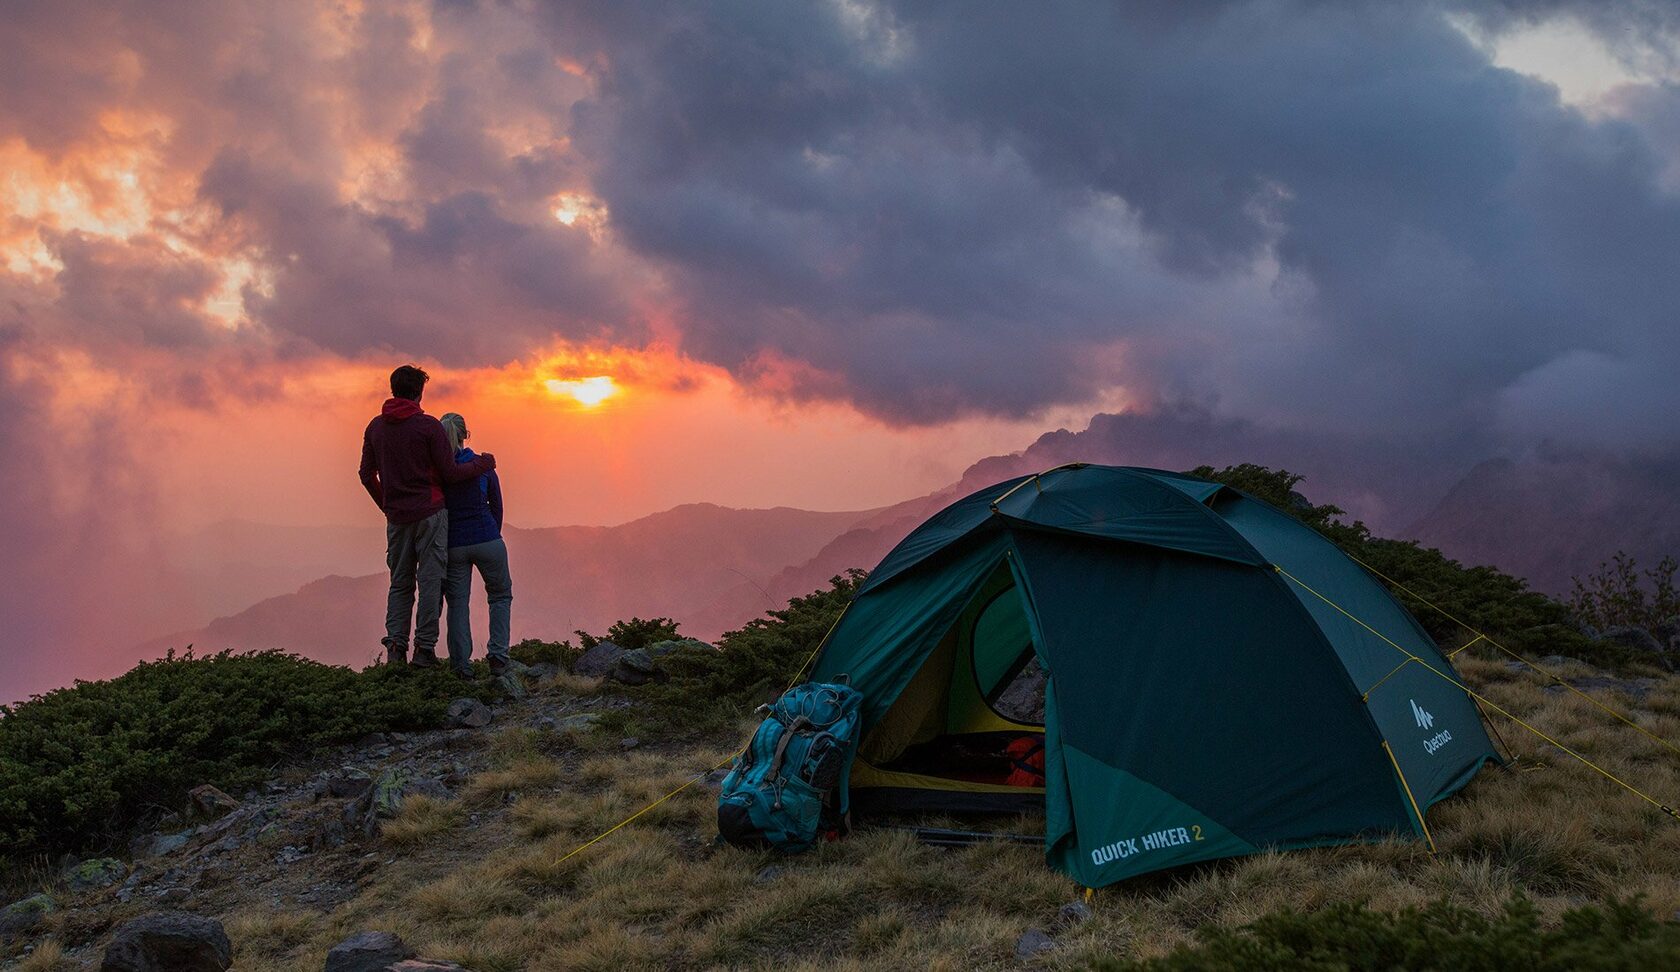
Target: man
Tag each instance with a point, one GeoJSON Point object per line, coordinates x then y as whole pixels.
{"type": "Point", "coordinates": [406, 460]}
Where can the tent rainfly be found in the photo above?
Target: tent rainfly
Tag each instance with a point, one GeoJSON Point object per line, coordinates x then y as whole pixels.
{"type": "Point", "coordinates": [1221, 679]}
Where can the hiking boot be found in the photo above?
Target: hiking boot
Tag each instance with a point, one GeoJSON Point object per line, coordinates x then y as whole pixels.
{"type": "Point", "coordinates": [395, 655]}
{"type": "Point", "coordinates": [423, 659]}
{"type": "Point", "coordinates": [464, 674]}
{"type": "Point", "coordinates": [497, 666]}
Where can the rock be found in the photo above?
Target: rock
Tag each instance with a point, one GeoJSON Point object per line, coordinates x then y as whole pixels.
{"type": "Point", "coordinates": [385, 799]}
{"type": "Point", "coordinates": [211, 802]}
{"type": "Point", "coordinates": [425, 965]}
{"type": "Point", "coordinates": [1035, 942]}
{"type": "Point", "coordinates": [629, 742]}
{"type": "Point", "coordinates": [22, 917]}
{"type": "Point", "coordinates": [170, 843]}
{"type": "Point", "coordinates": [348, 782]}
{"type": "Point", "coordinates": [543, 672]}
{"type": "Point", "coordinates": [637, 668]}
{"type": "Point", "coordinates": [1074, 913]}
{"type": "Point", "coordinates": [169, 941]}
{"type": "Point", "coordinates": [662, 648]}
{"type": "Point", "coordinates": [510, 684]}
{"type": "Point", "coordinates": [599, 661]}
{"type": "Point", "coordinates": [426, 788]}
{"type": "Point", "coordinates": [174, 896]}
{"type": "Point", "coordinates": [386, 796]}
{"type": "Point", "coordinates": [372, 739]}
{"type": "Point", "coordinates": [467, 714]}
{"type": "Point", "coordinates": [578, 724]}
{"type": "Point", "coordinates": [638, 661]}
{"type": "Point", "coordinates": [158, 845]}
{"type": "Point", "coordinates": [101, 872]}
{"type": "Point", "coordinates": [768, 874]}
{"type": "Point", "coordinates": [369, 951]}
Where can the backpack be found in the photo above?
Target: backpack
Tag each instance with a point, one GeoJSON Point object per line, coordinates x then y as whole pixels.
{"type": "Point", "coordinates": [788, 787]}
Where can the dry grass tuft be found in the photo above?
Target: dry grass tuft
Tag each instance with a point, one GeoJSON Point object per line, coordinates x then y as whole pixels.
{"type": "Point", "coordinates": [565, 683]}
{"type": "Point", "coordinates": [270, 934]}
{"type": "Point", "coordinates": [47, 957]}
{"type": "Point", "coordinates": [527, 774]}
{"type": "Point", "coordinates": [421, 819]}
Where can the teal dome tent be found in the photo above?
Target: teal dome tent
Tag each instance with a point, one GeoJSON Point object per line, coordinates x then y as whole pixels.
{"type": "Point", "coordinates": [1219, 679]}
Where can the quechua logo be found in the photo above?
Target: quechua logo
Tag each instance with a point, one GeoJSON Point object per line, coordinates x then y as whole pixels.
{"type": "Point", "coordinates": [1426, 721]}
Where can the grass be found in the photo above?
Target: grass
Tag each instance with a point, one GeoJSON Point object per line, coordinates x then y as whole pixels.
{"type": "Point", "coordinates": [657, 893]}
{"type": "Point", "coordinates": [422, 818]}
{"type": "Point", "coordinates": [47, 957]}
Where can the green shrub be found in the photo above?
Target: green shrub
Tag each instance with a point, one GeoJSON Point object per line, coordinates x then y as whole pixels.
{"type": "Point", "coordinates": [81, 766]}
{"type": "Point", "coordinates": [532, 651]}
{"type": "Point", "coordinates": [711, 688]}
{"type": "Point", "coordinates": [633, 634]}
{"type": "Point", "coordinates": [1352, 937]}
{"type": "Point", "coordinates": [1615, 594]}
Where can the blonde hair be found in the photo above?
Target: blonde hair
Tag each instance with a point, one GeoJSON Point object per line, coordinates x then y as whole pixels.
{"type": "Point", "coordinates": [455, 427]}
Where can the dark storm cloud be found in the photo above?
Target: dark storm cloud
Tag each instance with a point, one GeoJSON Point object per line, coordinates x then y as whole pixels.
{"type": "Point", "coordinates": [1319, 213]}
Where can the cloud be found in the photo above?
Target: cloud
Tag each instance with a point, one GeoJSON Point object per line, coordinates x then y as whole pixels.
{"type": "Point", "coordinates": [1338, 214]}
{"type": "Point", "coordinates": [1302, 214]}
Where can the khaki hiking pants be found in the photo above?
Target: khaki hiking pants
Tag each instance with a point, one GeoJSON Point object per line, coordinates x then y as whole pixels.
{"type": "Point", "coordinates": [418, 555]}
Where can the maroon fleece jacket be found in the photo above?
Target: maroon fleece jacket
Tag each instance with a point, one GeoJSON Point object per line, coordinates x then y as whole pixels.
{"type": "Point", "coordinates": [406, 459]}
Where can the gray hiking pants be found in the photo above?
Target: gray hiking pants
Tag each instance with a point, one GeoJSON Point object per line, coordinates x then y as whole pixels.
{"type": "Point", "coordinates": [418, 555]}
{"type": "Point", "coordinates": [491, 559]}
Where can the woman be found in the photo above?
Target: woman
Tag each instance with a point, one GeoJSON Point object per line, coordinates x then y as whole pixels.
{"type": "Point", "coordinates": [475, 540]}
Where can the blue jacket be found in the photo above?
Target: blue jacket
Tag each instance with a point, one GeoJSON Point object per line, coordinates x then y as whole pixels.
{"type": "Point", "coordinates": [474, 505]}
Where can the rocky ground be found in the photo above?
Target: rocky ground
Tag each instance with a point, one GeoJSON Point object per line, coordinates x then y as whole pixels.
{"type": "Point", "coordinates": [310, 837]}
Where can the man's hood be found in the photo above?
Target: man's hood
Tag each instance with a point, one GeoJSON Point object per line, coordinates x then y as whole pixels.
{"type": "Point", "coordinates": [400, 409]}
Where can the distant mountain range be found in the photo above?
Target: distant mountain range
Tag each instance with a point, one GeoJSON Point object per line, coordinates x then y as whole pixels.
{"type": "Point", "coordinates": [1555, 516]}
{"type": "Point", "coordinates": [712, 568]}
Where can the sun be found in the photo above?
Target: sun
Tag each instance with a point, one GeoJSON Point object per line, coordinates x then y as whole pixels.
{"type": "Point", "coordinates": [588, 392]}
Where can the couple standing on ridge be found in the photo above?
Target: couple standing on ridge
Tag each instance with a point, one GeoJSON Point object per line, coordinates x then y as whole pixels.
{"type": "Point", "coordinates": [443, 517]}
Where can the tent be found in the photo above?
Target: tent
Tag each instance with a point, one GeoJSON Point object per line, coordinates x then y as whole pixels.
{"type": "Point", "coordinates": [1221, 679]}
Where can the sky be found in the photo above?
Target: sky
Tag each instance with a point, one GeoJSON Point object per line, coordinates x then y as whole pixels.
{"type": "Point", "coordinates": [822, 255]}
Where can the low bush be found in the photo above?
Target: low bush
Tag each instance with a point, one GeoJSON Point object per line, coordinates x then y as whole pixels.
{"type": "Point", "coordinates": [81, 766]}
{"type": "Point", "coordinates": [1619, 593]}
{"type": "Point", "coordinates": [531, 651]}
{"type": "Point", "coordinates": [1348, 937]}
{"type": "Point", "coordinates": [632, 634]}
{"type": "Point", "coordinates": [713, 688]}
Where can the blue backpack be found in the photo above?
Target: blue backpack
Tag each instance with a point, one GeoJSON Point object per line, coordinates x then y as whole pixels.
{"type": "Point", "coordinates": [788, 788]}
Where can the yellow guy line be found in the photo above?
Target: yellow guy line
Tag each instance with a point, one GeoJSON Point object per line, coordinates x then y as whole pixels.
{"type": "Point", "coordinates": [1366, 697]}
{"type": "Point", "coordinates": [1480, 637]}
{"type": "Point", "coordinates": [1415, 808]}
{"type": "Point", "coordinates": [1455, 651]}
{"type": "Point", "coordinates": [608, 832]}
{"type": "Point", "coordinates": [702, 775]}
{"type": "Point", "coordinates": [1653, 801]}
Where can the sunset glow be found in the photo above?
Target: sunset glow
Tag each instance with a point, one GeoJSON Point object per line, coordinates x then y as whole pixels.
{"type": "Point", "coordinates": [588, 392]}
